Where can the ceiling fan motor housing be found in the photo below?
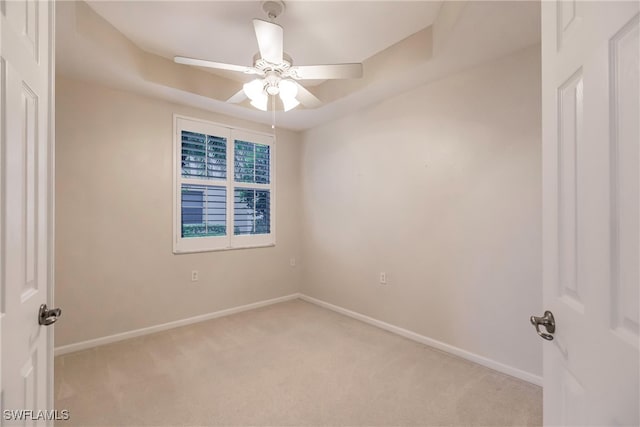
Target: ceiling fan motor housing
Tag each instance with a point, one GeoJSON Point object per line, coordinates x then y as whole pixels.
{"type": "Point", "coordinates": [272, 82]}
{"type": "Point", "coordinates": [264, 66]}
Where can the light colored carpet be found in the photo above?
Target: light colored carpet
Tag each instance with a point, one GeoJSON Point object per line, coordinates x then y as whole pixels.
{"type": "Point", "coordinates": [292, 364]}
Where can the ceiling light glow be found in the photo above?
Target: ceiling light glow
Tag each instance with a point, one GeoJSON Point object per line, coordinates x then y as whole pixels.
{"type": "Point", "coordinates": [259, 90]}
{"type": "Point", "coordinates": [289, 103]}
{"type": "Point", "coordinates": [288, 89]}
{"type": "Point", "coordinates": [254, 89]}
{"type": "Point", "coordinates": [260, 102]}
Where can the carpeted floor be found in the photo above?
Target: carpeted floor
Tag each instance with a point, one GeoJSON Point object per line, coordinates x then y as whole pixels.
{"type": "Point", "coordinates": [292, 364]}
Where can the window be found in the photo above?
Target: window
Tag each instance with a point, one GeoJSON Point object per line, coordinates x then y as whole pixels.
{"type": "Point", "coordinates": [224, 187]}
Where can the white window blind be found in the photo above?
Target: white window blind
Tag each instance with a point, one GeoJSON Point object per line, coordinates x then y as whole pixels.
{"type": "Point", "coordinates": [251, 162]}
{"type": "Point", "coordinates": [203, 156]}
{"type": "Point", "coordinates": [252, 211]}
{"type": "Point", "coordinates": [215, 209]}
{"type": "Point", "coordinates": [204, 211]}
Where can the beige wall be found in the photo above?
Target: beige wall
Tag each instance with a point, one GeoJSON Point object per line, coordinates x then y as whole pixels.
{"type": "Point", "coordinates": [439, 187]}
{"type": "Point", "coordinates": [115, 270]}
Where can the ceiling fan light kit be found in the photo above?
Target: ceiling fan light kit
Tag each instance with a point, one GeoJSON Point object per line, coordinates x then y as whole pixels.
{"type": "Point", "coordinates": [258, 92]}
{"type": "Point", "coordinates": [275, 70]}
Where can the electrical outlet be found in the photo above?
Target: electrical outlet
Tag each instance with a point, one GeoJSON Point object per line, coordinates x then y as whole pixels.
{"type": "Point", "coordinates": [194, 275]}
{"type": "Point", "coordinates": [383, 278]}
{"type": "Point", "coordinates": [292, 262]}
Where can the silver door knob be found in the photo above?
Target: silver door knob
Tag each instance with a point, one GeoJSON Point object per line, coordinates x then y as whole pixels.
{"type": "Point", "coordinates": [48, 316]}
{"type": "Point", "coordinates": [548, 322]}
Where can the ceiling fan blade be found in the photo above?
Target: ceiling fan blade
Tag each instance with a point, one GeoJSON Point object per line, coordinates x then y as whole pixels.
{"type": "Point", "coordinates": [270, 39]}
{"type": "Point", "coordinates": [211, 64]}
{"type": "Point", "coordinates": [238, 97]}
{"type": "Point", "coordinates": [306, 98]}
{"type": "Point", "coordinates": [324, 72]}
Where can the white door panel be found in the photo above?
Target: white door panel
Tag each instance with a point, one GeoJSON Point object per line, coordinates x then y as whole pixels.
{"type": "Point", "coordinates": [591, 181]}
{"type": "Point", "coordinates": [25, 178]}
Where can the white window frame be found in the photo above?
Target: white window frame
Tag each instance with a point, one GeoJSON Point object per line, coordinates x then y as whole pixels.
{"type": "Point", "coordinates": [230, 241]}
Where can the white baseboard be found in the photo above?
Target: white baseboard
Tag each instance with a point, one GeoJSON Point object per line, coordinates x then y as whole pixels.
{"type": "Point", "coordinates": [83, 345]}
{"type": "Point", "coordinates": [481, 360]}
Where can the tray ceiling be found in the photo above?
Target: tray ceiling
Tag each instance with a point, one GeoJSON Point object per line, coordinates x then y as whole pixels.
{"type": "Point", "coordinates": [129, 45]}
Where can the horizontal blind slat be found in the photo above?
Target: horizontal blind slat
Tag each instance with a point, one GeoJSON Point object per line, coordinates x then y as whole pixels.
{"type": "Point", "coordinates": [203, 156]}
{"type": "Point", "coordinates": [252, 213]}
{"type": "Point", "coordinates": [251, 162]}
{"type": "Point", "coordinates": [204, 210]}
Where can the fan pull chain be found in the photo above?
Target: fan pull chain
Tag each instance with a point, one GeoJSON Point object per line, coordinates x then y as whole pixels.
{"type": "Point", "coordinates": [273, 112]}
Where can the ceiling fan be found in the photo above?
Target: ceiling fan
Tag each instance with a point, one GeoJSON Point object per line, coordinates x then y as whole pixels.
{"type": "Point", "coordinates": [276, 74]}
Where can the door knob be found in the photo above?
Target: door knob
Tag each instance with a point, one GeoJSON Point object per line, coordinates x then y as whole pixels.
{"type": "Point", "coordinates": [548, 322]}
{"type": "Point", "coordinates": [48, 316]}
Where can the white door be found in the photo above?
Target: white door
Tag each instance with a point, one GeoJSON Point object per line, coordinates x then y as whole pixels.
{"type": "Point", "coordinates": [26, 199]}
{"type": "Point", "coordinates": [591, 187]}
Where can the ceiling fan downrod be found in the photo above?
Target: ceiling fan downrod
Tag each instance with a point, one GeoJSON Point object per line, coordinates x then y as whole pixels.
{"type": "Point", "coordinates": [273, 8]}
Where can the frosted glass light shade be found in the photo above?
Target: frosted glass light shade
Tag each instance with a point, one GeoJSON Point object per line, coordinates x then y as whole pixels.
{"type": "Point", "coordinates": [289, 103]}
{"type": "Point", "coordinates": [288, 93]}
{"type": "Point", "coordinates": [288, 89]}
{"type": "Point", "coordinates": [254, 89]}
{"type": "Point", "coordinates": [260, 102]}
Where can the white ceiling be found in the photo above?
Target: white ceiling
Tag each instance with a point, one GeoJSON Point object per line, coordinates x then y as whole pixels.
{"type": "Point", "coordinates": [315, 32]}
{"type": "Point", "coordinates": [128, 45]}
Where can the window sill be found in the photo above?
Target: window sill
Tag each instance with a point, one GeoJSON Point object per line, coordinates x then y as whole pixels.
{"type": "Point", "coordinates": [195, 251]}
